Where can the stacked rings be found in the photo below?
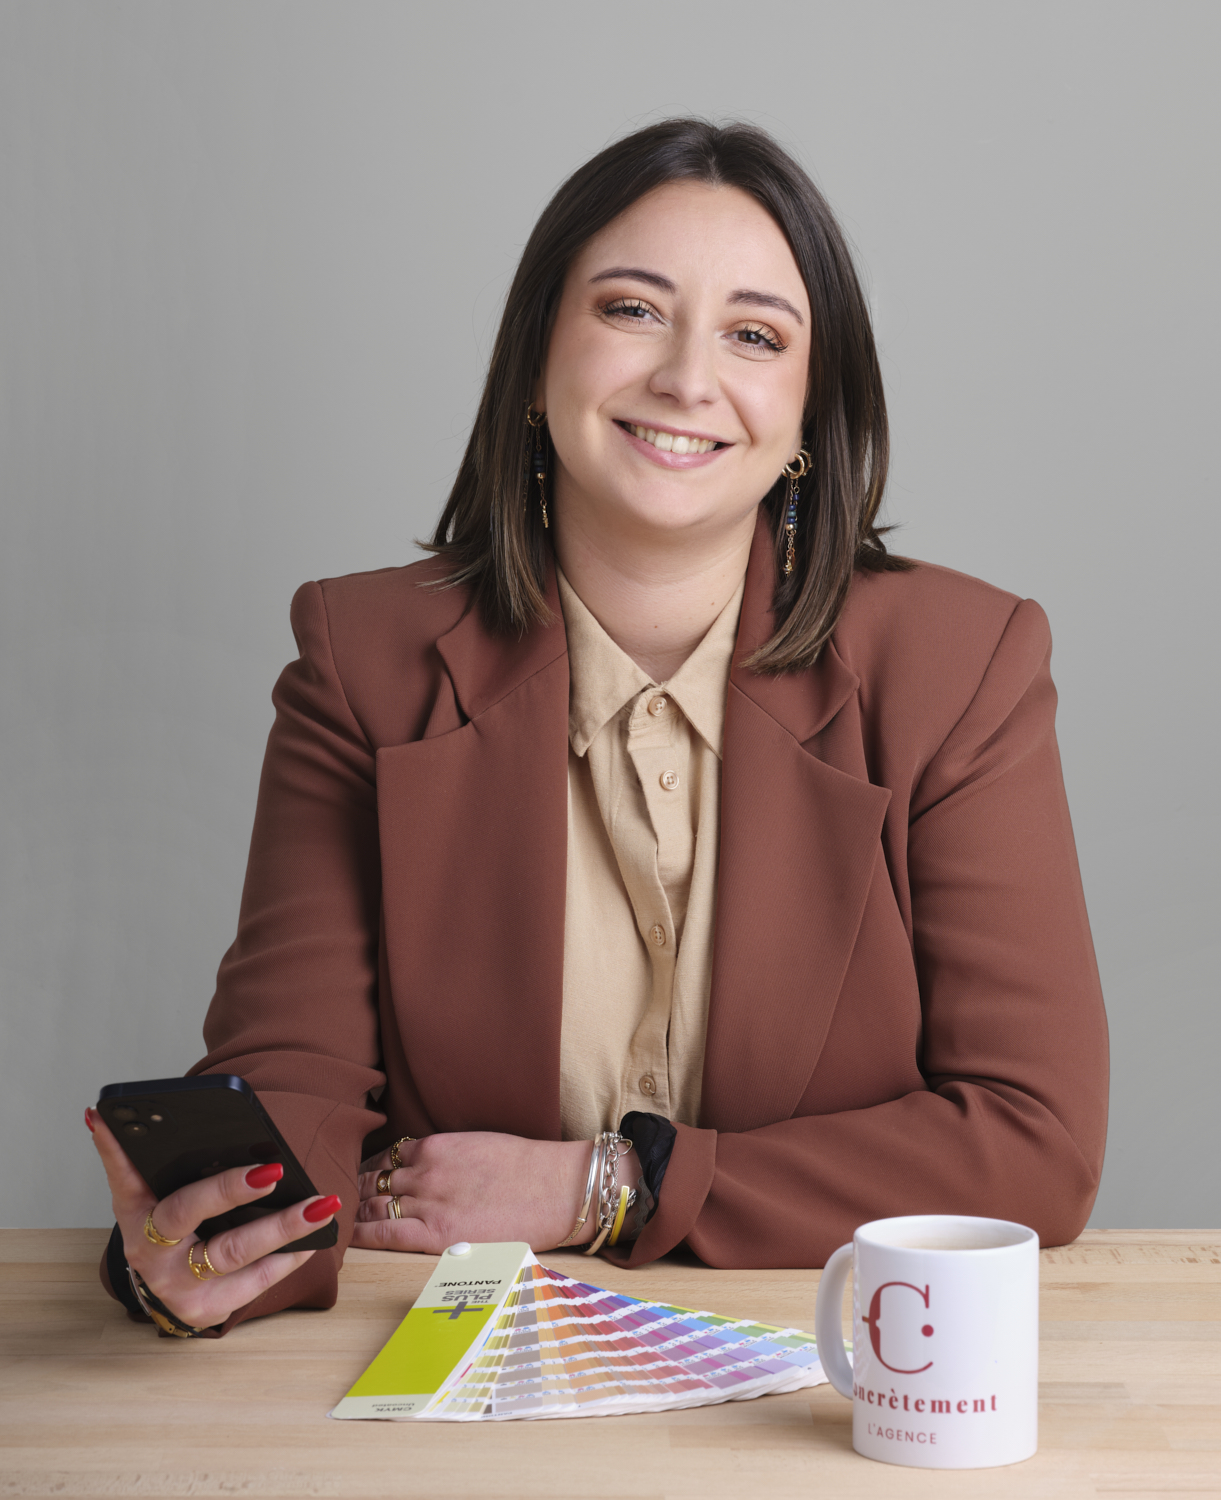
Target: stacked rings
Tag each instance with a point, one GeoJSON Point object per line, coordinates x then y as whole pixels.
{"type": "Point", "coordinates": [394, 1209]}
{"type": "Point", "coordinates": [200, 1271]}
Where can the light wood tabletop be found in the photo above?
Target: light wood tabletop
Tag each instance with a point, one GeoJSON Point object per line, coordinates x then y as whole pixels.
{"type": "Point", "coordinates": [93, 1404]}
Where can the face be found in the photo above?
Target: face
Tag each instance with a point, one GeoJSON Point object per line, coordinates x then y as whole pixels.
{"type": "Point", "coordinates": [676, 373]}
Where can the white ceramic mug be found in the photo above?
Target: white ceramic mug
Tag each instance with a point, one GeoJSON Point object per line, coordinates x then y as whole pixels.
{"type": "Point", "coordinates": [945, 1328]}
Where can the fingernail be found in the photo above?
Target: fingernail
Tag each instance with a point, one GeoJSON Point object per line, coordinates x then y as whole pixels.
{"type": "Point", "coordinates": [88, 1120]}
{"type": "Point", "coordinates": [323, 1209]}
{"type": "Point", "coordinates": [265, 1175]}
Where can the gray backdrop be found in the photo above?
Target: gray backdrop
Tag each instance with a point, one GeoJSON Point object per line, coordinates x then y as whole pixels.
{"type": "Point", "coordinates": [251, 260]}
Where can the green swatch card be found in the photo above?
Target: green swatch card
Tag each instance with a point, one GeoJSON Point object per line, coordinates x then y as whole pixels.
{"type": "Point", "coordinates": [441, 1335]}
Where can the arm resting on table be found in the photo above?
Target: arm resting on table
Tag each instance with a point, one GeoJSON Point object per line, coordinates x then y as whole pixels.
{"type": "Point", "coordinates": [1012, 1120]}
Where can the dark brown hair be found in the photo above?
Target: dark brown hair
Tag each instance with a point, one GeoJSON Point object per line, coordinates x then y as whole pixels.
{"type": "Point", "coordinates": [497, 544]}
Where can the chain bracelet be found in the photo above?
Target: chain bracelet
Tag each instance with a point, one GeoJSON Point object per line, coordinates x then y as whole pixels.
{"type": "Point", "coordinates": [610, 1148]}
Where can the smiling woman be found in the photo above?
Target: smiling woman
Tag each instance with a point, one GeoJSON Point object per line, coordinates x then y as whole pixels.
{"type": "Point", "coordinates": [661, 862]}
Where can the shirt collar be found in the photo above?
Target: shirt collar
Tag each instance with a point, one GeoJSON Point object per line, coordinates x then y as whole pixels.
{"type": "Point", "coordinates": [604, 678]}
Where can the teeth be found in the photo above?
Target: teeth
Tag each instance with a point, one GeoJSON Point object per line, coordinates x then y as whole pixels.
{"type": "Point", "coordinates": [668, 443]}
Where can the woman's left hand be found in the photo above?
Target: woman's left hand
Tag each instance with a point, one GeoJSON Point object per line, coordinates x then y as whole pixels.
{"type": "Point", "coordinates": [478, 1186]}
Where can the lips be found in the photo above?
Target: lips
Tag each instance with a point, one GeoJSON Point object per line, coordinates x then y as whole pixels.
{"type": "Point", "coordinates": [685, 450]}
{"type": "Point", "coordinates": [671, 442]}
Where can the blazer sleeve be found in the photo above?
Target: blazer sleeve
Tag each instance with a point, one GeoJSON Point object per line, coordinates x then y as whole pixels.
{"type": "Point", "coordinates": [295, 1009]}
{"type": "Point", "coordinates": [1011, 1122]}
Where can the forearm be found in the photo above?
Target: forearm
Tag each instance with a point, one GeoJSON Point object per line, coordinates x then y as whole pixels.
{"type": "Point", "coordinates": [788, 1194]}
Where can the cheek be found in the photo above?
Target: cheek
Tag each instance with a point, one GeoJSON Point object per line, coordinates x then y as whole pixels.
{"type": "Point", "coordinates": [773, 416]}
{"type": "Point", "coordinates": [588, 366]}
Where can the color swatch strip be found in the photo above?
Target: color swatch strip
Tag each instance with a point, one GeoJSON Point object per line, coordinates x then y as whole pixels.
{"type": "Point", "coordinates": [562, 1348]}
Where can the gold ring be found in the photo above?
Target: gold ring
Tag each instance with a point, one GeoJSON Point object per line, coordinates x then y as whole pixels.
{"type": "Point", "coordinates": [200, 1270]}
{"type": "Point", "coordinates": [154, 1236]}
{"type": "Point", "coordinates": [396, 1161]}
{"type": "Point", "coordinates": [394, 1209]}
{"type": "Point", "coordinates": [383, 1182]}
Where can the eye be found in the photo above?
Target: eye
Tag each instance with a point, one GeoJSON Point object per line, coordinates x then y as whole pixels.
{"type": "Point", "coordinates": [758, 339]}
{"type": "Point", "coordinates": [628, 308]}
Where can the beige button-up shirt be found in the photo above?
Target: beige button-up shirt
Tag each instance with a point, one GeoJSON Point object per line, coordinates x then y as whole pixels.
{"type": "Point", "coordinates": [644, 785]}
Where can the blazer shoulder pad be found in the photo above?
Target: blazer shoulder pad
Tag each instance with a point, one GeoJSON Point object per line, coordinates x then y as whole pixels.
{"type": "Point", "coordinates": [922, 641]}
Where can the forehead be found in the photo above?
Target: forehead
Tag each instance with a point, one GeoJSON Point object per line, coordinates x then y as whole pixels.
{"type": "Point", "coordinates": [692, 233]}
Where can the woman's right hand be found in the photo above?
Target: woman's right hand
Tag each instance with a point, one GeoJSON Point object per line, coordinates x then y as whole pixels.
{"type": "Point", "coordinates": [244, 1257]}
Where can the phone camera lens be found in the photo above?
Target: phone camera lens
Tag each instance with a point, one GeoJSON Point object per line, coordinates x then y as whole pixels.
{"type": "Point", "coordinates": [124, 1112]}
{"type": "Point", "coordinates": [135, 1128]}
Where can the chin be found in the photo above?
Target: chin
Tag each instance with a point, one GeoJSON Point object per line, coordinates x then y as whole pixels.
{"type": "Point", "coordinates": [668, 518]}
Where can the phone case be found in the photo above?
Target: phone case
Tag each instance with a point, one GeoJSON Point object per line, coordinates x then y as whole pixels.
{"type": "Point", "coordinates": [177, 1130]}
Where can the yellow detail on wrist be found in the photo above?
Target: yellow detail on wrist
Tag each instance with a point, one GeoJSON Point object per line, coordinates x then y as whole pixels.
{"type": "Point", "coordinates": [625, 1194]}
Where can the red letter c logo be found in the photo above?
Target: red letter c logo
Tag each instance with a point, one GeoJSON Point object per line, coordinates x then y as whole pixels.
{"type": "Point", "coordinates": [874, 1320]}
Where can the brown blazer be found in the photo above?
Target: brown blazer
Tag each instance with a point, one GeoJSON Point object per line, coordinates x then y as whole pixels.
{"type": "Point", "coordinates": [905, 1013]}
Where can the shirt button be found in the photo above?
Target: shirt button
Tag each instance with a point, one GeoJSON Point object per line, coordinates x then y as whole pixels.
{"type": "Point", "coordinates": [669, 780]}
{"type": "Point", "coordinates": [648, 1084]}
{"type": "Point", "coordinates": [658, 934]}
{"type": "Point", "coordinates": [659, 704]}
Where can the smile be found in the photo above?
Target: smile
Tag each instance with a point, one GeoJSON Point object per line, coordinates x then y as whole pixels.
{"type": "Point", "coordinates": [671, 442]}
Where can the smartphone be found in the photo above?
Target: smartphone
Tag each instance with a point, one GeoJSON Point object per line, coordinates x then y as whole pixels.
{"type": "Point", "coordinates": [177, 1130]}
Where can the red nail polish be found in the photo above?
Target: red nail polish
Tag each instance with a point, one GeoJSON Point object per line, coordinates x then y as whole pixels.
{"type": "Point", "coordinates": [323, 1209]}
{"type": "Point", "coordinates": [265, 1175]}
{"type": "Point", "coordinates": [88, 1121]}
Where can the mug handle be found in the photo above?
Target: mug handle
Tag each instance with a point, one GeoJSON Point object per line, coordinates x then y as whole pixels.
{"type": "Point", "coordinates": [828, 1327]}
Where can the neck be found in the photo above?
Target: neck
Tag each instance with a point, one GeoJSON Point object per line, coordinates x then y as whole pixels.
{"type": "Point", "coordinates": [656, 600]}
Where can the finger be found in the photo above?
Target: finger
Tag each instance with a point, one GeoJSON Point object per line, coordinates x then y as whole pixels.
{"type": "Point", "coordinates": [407, 1235]}
{"type": "Point", "coordinates": [369, 1186]}
{"type": "Point", "coordinates": [370, 1210]}
{"type": "Point", "coordinates": [205, 1303]}
{"type": "Point", "coordinates": [408, 1147]}
{"type": "Point", "coordinates": [235, 1249]}
{"type": "Point", "coordinates": [179, 1213]}
{"type": "Point", "coordinates": [130, 1192]}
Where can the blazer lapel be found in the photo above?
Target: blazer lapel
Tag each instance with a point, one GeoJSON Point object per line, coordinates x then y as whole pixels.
{"type": "Point", "coordinates": [799, 846]}
{"type": "Point", "coordinates": [473, 830]}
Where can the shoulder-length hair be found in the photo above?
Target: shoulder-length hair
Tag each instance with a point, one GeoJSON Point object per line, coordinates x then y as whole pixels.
{"type": "Point", "coordinates": [496, 543]}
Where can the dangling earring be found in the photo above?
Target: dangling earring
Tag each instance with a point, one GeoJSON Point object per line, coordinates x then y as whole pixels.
{"type": "Point", "coordinates": [793, 472]}
{"type": "Point", "coordinates": [537, 459]}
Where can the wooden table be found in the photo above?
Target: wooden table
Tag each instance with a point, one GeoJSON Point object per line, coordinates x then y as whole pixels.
{"type": "Point", "coordinates": [91, 1404]}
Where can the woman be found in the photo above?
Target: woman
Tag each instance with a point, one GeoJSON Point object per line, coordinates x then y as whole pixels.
{"type": "Point", "coordinates": [662, 799]}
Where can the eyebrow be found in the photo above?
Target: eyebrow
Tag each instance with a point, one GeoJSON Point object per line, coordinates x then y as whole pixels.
{"type": "Point", "coordinates": [745, 296]}
{"type": "Point", "coordinates": [766, 299]}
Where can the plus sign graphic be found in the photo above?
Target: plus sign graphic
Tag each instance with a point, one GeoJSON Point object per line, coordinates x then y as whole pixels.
{"type": "Point", "coordinates": [458, 1309]}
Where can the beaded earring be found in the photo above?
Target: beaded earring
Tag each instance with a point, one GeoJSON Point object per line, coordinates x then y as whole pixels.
{"type": "Point", "coordinates": [537, 457]}
{"type": "Point", "coordinates": [793, 471]}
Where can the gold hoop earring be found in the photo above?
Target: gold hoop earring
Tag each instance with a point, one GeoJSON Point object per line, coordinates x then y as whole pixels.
{"type": "Point", "coordinates": [537, 459]}
{"type": "Point", "coordinates": [796, 468]}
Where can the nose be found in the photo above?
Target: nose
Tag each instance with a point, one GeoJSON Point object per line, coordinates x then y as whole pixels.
{"type": "Point", "coordinates": [686, 370]}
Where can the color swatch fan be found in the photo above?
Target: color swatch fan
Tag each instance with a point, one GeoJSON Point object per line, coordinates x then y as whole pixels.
{"type": "Point", "coordinates": [495, 1336]}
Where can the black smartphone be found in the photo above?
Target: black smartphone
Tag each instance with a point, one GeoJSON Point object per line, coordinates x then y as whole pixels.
{"type": "Point", "coordinates": [177, 1130]}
